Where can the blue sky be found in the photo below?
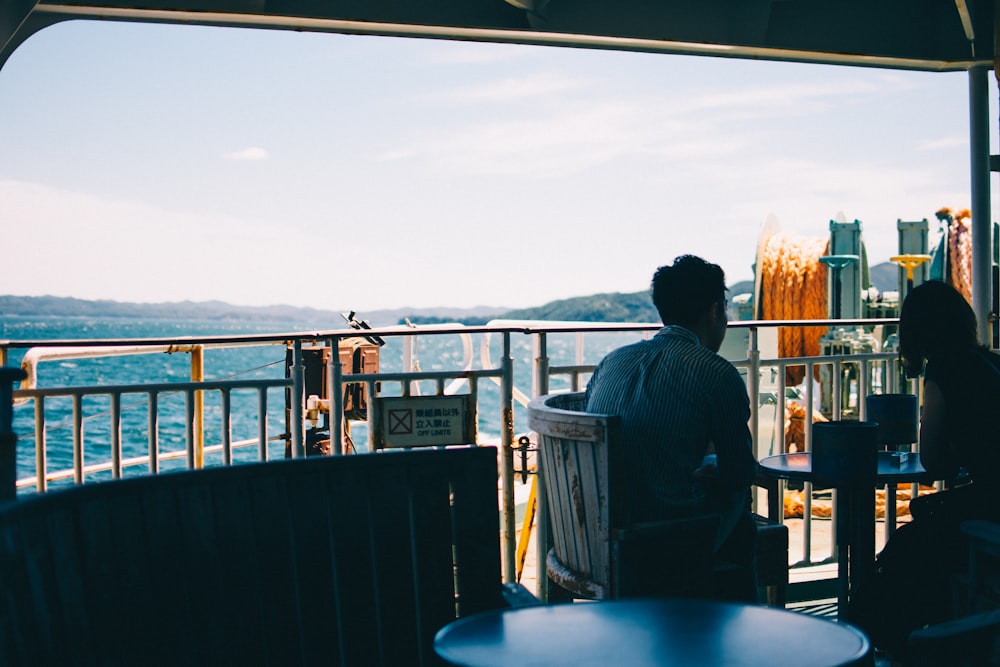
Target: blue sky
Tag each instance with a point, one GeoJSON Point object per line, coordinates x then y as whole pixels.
{"type": "Point", "coordinates": [162, 163]}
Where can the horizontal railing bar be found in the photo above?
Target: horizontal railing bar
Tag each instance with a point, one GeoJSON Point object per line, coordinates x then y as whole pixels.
{"type": "Point", "coordinates": [568, 370]}
{"type": "Point", "coordinates": [162, 387]}
{"type": "Point", "coordinates": [502, 326]}
{"type": "Point", "coordinates": [829, 359]}
{"type": "Point", "coordinates": [783, 361]}
{"type": "Point", "coordinates": [27, 482]}
{"type": "Point", "coordinates": [417, 376]}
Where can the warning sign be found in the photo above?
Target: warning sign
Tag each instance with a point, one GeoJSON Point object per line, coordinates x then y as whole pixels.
{"type": "Point", "coordinates": [421, 421]}
{"type": "Point", "coordinates": [401, 421]}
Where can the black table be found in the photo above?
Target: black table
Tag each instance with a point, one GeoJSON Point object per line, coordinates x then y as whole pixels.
{"type": "Point", "coordinates": [855, 512]}
{"type": "Point", "coordinates": [674, 632]}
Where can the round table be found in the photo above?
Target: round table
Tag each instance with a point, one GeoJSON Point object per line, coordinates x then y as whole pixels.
{"type": "Point", "coordinates": [636, 632]}
{"type": "Point", "coordinates": [799, 467]}
{"type": "Point", "coordinates": [855, 513]}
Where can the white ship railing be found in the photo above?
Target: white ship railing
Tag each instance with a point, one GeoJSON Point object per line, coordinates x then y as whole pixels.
{"type": "Point", "coordinates": [194, 451]}
{"type": "Point", "coordinates": [870, 372]}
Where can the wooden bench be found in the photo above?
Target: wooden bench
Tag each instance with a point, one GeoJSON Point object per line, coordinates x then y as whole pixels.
{"type": "Point", "coordinates": [595, 553]}
{"type": "Point", "coordinates": [350, 560]}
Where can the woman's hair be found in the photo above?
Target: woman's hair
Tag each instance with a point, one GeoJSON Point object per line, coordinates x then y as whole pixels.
{"type": "Point", "coordinates": [935, 320]}
{"type": "Point", "coordinates": [682, 292]}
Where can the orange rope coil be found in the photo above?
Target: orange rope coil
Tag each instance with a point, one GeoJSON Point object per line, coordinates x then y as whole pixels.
{"type": "Point", "coordinates": [793, 287]}
{"type": "Point", "coordinates": [960, 253]}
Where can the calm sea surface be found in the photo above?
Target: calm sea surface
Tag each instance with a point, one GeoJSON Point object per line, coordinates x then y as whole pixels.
{"type": "Point", "coordinates": [434, 353]}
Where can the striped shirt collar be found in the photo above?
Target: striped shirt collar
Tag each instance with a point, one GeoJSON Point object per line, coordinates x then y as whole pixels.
{"type": "Point", "coordinates": [676, 330]}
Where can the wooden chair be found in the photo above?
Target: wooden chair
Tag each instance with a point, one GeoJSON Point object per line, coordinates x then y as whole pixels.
{"type": "Point", "coordinates": [595, 554]}
{"type": "Point", "coordinates": [348, 560]}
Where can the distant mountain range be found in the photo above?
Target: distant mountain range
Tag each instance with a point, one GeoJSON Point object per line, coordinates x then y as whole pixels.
{"type": "Point", "coordinates": [51, 306]}
{"type": "Point", "coordinates": [609, 307]}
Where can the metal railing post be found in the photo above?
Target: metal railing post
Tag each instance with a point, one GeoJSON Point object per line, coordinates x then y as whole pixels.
{"type": "Point", "coordinates": [41, 446]}
{"type": "Point", "coordinates": [807, 487]}
{"type": "Point", "coordinates": [227, 427]}
{"type": "Point", "coordinates": [116, 434]}
{"type": "Point", "coordinates": [198, 375]}
{"type": "Point", "coordinates": [507, 454]}
{"type": "Point", "coordinates": [262, 423]}
{"type": "Point", "coordinates": [298, 396]}
{"type": "Point", "coordinates": [77, 439]}
{"type": "Point", "coordinates": [154, 433]}
{"type": "Point", "coordinates": [474, 397]}
{"type": "Point", "coordinates": [837, 384]}
{"type": "Point", "coordinates": [335, 378]}
{"type": "Point", "coordinates": [753, 391]}
{"type": "Point", "coordinates": [541, 503]}
{"type": "Point", "coordinates": [540, 381]}
{"type": "Point", "coordinates": [373, 414]}
{"type": "Point", "coordinates": [579, 359]}
{"type": "Point", "coordinates": [189, 429]}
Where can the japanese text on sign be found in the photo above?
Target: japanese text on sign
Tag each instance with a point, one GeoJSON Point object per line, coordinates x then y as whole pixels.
{"type": "Point", "coordinates": [424, 421]}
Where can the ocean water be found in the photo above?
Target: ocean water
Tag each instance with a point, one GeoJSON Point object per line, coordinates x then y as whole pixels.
{"type": "Point", "coordinates": [434, 353]}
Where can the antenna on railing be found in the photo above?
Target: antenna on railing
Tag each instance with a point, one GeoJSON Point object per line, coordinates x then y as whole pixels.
{"type": "Point", "coordinates": [355, 323]}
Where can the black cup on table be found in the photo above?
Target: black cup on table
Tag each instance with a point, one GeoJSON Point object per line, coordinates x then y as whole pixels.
{"type": "Point", "coordinates": [845, 452]}
{"type": "Point", "coordinates": [896, 415]}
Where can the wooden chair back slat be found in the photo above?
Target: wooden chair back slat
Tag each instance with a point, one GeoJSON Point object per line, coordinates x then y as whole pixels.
{"type": "Point", "coordinates": [593, 507]}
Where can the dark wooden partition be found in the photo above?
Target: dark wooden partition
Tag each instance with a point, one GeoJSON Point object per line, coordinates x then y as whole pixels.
{"type": "Point", "coordinates": [354, 560]}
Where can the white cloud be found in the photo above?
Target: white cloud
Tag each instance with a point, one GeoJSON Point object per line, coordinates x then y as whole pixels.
{"type": "Point", "coordinates": [464, 53]}
{"type": "Point", "coordinates": [786, 96]}
{"type": "Point", "coordinates": [516, 88]}
{"type": "Point", "coordinates": [574, 123]}
{"type": "Point", "coordinates": [393, 154]}
{"type": "Point", "coordinates": [944, 143]}
{"type": "Point", "coordinates": [248, 154]}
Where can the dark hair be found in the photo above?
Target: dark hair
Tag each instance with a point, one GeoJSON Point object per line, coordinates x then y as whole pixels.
{"type": "Point", "coordinates": [682, 292]}
{"type": "Point", "coordinates": [935, 320]}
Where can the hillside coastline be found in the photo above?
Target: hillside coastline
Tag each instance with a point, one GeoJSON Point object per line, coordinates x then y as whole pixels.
{"type": "Point", "coordinates": [606, 307]}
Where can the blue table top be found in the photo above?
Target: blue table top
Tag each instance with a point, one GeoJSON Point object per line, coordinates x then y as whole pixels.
{"type": "Point", "coordinates": [798, 466]}
{"type": "Point", "coordinates": [676, 632]}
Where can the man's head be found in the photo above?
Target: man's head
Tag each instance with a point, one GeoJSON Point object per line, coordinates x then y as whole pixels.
{"type": "Point", "coordinates": [692, 293]}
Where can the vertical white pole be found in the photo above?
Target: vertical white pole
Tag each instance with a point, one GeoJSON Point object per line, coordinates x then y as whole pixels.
{"type": "Point", "coordinates": [982, 225]}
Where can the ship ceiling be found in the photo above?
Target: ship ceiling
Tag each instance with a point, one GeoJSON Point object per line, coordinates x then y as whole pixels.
{"type": "Point", "coordinates": [923, 35]}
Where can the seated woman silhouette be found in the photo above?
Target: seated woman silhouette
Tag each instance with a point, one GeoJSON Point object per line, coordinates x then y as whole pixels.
{"type": "Point", "coordinates": [959, 443]}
